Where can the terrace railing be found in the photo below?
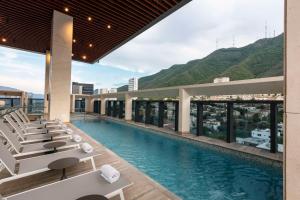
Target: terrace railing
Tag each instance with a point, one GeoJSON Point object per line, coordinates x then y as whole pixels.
{"type": "Point", "coordinates": [35, 106]}
{"type": "Point", "coordinates": [255, 122]}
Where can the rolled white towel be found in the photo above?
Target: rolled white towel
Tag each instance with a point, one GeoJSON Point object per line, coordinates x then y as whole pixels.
{"type": "Point", "coordinates": [69, 131]}
{"type": "Point", "coordinates": [109, 173]}
{"type": "Point", "coordinates": [87, 148]}
{"type": "Point", "coordinates": [76, 138]}
{"type": "Point", "coordinates": [63, 126]}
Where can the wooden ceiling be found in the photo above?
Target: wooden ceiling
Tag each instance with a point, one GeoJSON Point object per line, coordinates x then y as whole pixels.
{"type": "Point", "coordinates": [100, 26]}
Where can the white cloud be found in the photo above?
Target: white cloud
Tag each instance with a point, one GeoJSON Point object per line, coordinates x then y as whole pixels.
{"type": "Point", "coordinates": [191, 33]}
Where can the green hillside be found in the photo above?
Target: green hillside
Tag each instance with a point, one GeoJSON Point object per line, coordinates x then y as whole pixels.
{"type": "Point", "coordinates": [263, 58]}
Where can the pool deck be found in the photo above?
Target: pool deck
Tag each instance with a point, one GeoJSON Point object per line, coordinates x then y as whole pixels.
{"type": "Point", "coordinates": [143, 187]}
{"type": "Point", "coordinates": [245, 151]}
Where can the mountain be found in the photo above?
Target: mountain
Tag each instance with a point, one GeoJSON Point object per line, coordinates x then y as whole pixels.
{"type": "Point", "coordinates": [263, 58]}
{"type": "Point", "coordinates": [8, 88]}
{"type": "Point", "coordinates": [30, 94]}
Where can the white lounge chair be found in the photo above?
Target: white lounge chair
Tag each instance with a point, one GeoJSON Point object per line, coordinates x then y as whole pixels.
{"type": "Point", "coordinates": [30, 166]}
{"type": "Point", "coordinates": [29, 149]}
{"type": "Point", "coordinates": [32, 129]}
{"type": "Point", "coordinates": [74, 188]}
{"type": "Point", "coordinates": [42, 121]}
{"type": "Point", "coordinates": [29, 137]}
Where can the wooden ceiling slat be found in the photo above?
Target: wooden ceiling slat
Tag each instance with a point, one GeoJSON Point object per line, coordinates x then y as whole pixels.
{"type": "Point", "coordinates": [27, 23]}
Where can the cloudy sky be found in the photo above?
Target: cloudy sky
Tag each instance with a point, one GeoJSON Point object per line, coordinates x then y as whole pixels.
{"type": "Point", "coordinates": [190, 33]}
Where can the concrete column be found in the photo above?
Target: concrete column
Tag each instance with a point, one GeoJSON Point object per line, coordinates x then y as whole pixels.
{"type": "Point", "coordinates": [60, 68]}
{"type": "Point", "coordinates": [24, 101]}
{"type": "Point", "coordinates": [89, 104]}
{"type": "Point", "coordinates": [292, 100]}
{"type": "Point", "coordinates": [103, 106]}
{"type": "Point", "coordinates": [72, 100]}
{"type": "Point", "coordinates": [184, 111]}
{"type": "Point", "coordinates": [46, 90]}
{"type": "Point", "coordinates": [128, 107]}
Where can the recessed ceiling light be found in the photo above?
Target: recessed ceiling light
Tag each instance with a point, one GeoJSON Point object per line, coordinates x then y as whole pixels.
{"type": "Point", "coordinates": [90, 18]}
{"type": "Point", "coordinates": [83, 57]}
{"type": "Point", "coordinates": [74, 40]}
{"type": "Point", "coordinates": [90, 45]}
{"type": "Point", "coordinates": [109, 26]}
{"type": "Point", "coordinates": [66, 9]}
{"type": "Point", "coordinates": [3, 40]}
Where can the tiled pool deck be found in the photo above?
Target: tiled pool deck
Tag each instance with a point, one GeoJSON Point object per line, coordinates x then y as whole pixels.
{"type": "Point", "coordinates": [143, 187]}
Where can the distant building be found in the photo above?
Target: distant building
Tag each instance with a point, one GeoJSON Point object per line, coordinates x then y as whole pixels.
{"type": "Point", "coordinates": [221, 80]}
{"type": "Point", "coordinates": [113, 90]}
{"type": "Point", "coordinates": [82, 88]}
{"type": "Point", "coordinates": [133, 84]}
{"type": "Point", "coordinates": [101, 91]}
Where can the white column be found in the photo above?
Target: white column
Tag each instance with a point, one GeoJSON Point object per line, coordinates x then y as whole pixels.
{"type": "Point", "coordinates": [128, 107]}
{"type": "Point", "coordinates": [89, 104]}
{"type": "Point", "coordinates": [24, 101]}
{"type": "Point", "coordinates": [184, 111]}
{"type": "Point", "coordinates": [103, 106]}
{"type": "Point", "coordinates": [292, 101]}
{"type": "Point", "coordinates": [60, 68]}
{"type": "Point", "coordinates": [72, 100]}
{"type": "Point", "coordinates": [47, 76]}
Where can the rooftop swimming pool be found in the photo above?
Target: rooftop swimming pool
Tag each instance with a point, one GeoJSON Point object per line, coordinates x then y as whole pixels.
{"type": "Point", "coordinates": [187, 169]}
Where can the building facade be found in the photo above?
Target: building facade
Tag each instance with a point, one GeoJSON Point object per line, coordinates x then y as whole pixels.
{"type": "Point", "coordinates": [82, 88]}
{"type": "Point", "coordinates": [133, 84]}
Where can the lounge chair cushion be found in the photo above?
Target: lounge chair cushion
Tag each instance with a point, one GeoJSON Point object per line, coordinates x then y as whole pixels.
{"type": "Point", "coordinates": [74, 188]}
{"type": "Point", "coordinates": [41, 162]}
{"type": "Point", "coordinates": [8, 160]}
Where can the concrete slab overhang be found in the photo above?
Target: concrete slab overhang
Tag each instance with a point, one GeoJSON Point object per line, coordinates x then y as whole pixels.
{"type": "Point", "coordinates": [99, 26]}
{"type": "Point", "coordinates": [269, 85]}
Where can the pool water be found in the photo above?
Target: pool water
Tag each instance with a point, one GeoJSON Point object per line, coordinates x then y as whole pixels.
{"type": "Point", "coordinates": [187, 169]}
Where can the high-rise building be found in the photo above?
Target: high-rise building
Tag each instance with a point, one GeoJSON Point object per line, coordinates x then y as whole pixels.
{"type": "Point", "coordinates": [82, 88]}
{"type": "Point", "coordinates": [133, 84]}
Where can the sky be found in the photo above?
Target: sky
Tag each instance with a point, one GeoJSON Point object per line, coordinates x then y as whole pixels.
{"type": "Point", "coordinates": [192, 32]}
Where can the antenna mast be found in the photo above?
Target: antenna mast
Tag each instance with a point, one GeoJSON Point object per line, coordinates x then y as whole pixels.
{"type": "Point", "coordinates": [266, 29]}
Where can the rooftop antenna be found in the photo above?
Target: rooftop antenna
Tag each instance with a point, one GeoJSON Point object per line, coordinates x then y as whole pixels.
{"type": "Point", "coordinates": [233, 41]}
{"type": "Point", "coordinates": [274, 33]}
{"type": "Point", "coordinates": [266, 29]}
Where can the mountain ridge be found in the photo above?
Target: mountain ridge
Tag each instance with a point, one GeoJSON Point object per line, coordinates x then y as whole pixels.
{"type": "Point", "coordinates": [263, 58]}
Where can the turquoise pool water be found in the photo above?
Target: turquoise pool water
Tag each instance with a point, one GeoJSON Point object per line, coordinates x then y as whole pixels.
{"type": "Point", "coordinates": [185, 168]}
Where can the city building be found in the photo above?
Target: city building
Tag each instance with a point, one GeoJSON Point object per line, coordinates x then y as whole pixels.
{"type": "Point", "coordinates": [221, 80]}
{"type": "Point", "coordinates": [133, 84]}
{"type": "Point", "coordinates": [82, 88]}
{"type": "Point", "coordinates": [113, 90]}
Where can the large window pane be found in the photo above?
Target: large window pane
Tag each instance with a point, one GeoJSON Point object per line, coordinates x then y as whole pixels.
{"type": "Point", "coordinates": [169, 115]}
{"type": "Point", "coordinates": [214, 120]}
{"type": "Point", "coordinates": [193, 118]}
{"type": "Point", "coordinates": [35, 106]}
{"type": "Point", "coordinates": [280, 129]}
{"type": "Point", "coordinates": [141, 113]}
{"type": "Point", "coordinates": [153, 118]}
{"type": "Point", "coordinates": [252, 124]}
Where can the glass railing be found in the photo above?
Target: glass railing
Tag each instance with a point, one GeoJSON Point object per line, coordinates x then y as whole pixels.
{"type": "Point", "coordinates": [35, 106]}
{"type": "Point", "coordinates": [153, 113]}
{"type": "Point", "coordinates": [114, 108]}
{"type": "Point", "coordinates": [215, 120]}
{"type": "Point", "coordinates": [252, 123]}
{"type": "Point", "coordinates": [10, 102]}
{"type": "Point", "coordinates": [170, 115]}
